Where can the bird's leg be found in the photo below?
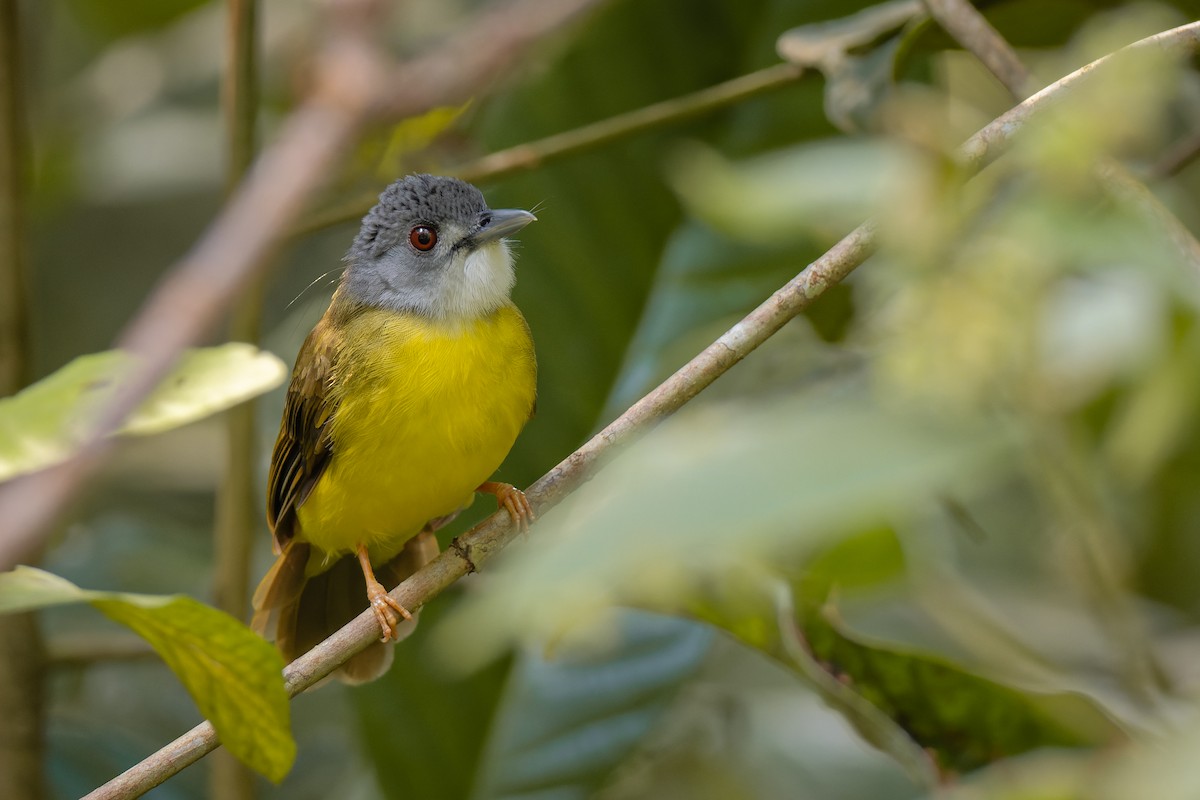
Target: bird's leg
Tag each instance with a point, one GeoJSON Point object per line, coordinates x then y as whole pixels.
{"type": "Point", "coordinates": [511, 498]}
{"type": "Point", "coordinates": [382, 603]}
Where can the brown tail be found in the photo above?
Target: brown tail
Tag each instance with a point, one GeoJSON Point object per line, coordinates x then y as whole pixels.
{"type": "Point", "coordinates": [308, 608]}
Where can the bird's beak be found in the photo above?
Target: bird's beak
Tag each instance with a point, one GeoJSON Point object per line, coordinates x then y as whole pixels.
{"type": "Point", "coordinates": [502, 222]}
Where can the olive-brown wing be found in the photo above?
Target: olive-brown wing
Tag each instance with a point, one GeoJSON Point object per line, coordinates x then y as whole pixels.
{"type": "Point", "coordinates": [303, 449]}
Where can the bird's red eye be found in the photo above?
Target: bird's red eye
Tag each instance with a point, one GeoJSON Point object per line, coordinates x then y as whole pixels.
{"type": "Point", "coordinates": [422, 237]}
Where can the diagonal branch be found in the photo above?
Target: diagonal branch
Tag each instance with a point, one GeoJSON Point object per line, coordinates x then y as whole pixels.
{"type": "Point", "coordinates": [353, 85]}
{"type": "Point", "coordinates": [969, 27]}
{"type": "Point", "coordinates": [579, 140]}
{"type": "Point", "coordinates": [489, 537]}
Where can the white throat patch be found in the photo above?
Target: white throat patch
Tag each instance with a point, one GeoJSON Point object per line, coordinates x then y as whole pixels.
{"type": "Point", "coordinates": [477, 283]}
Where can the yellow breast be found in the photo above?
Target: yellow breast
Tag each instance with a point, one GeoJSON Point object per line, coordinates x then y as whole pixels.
{"type": "Point", "coordinates": [426, 412]}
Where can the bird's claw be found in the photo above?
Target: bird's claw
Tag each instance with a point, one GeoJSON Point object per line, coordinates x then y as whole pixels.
{"type": "Point", "coordinates": [387, 611]}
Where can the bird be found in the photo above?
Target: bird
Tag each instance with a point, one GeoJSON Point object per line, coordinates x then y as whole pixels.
{"type": "Point", "coordinates": [405, 399]}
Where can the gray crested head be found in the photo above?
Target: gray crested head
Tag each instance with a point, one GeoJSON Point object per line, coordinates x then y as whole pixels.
{"type": "Point", "coordinates": [432, 246]}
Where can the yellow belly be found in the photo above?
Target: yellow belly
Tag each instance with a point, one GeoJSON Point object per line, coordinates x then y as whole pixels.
{"type": "Point", "coordinates": [426, 412]}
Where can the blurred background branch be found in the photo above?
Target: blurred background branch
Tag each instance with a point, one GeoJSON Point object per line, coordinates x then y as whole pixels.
{"type": "Point", "coordinates": [22, 661]}
{"type": "Point", "coordinates": [84, 649]}
{"type": "Point", "coordinates": [14, 325]}
{"type": "Point", "coordinates": [238, 498]}
{"type": "Point", "coordinates": [969, 27]}
{"type": "Point", "coordinates": [580, 140]}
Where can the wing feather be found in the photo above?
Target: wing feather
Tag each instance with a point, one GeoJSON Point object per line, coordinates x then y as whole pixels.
{"type": "Point", "coordinates": [303, 448]}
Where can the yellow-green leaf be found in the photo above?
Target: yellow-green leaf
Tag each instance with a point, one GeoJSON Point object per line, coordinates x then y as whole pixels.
{"type": "Point", "coordinates": [414, 135]}
{"type": "Point", "coordinates": [44, 423]}
{"type": "Point", "coordinates": [234, 675]}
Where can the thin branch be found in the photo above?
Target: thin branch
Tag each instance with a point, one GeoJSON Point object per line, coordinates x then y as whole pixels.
{"type": "Point", "coordinates": [491, 536]}
{"type": "Point", "coordinates": [580, 140]}
{"type": "Point", "coordinates": [971, 29]}
{"type": "Point", "coordinates": [84, 649]}
{"type": "Point", "coordinates": [1178, 156]}
{"type": "Point", "coordinates": [991, 142]}
{"type": "Point", "coordinates": [353, 85]}
{"type": "Point", "coordinates": [475, 59]}
{"type": "Point", "coordinates": [237, 500]}
{"type": "Point", "coordinates": [240, 89]}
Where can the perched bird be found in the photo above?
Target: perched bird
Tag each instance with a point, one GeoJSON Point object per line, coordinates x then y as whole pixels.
{"type": "Point", "coordinates": [405, 398]}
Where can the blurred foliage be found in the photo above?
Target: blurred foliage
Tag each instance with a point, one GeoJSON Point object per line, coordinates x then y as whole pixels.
{"type": "Point", "coordinates": [954, 502]}
{"type": "Point", "coordinates": [44, 423]}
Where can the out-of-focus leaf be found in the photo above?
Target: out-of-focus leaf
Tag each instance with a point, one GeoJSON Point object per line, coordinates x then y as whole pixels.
{"type": "Point", "coordinates": [968, 720]}
{"type": "Point", "coordinates": [874, 723]}
{"type": "Point", "coordinates": [827, 187]}
{"type": "Point", "coordinates": [743, 726]}
{"type": "Point", "coordinates": [660, 518]}
{"type": "Point", "coordinates": [415, 134]}
{"type": "Point", "coordinates": [408, 146]}
{"type": "Point", "coordinates": [204, 382]}
{"type": "Point", "coordinates": [42, 424]}
{"type": "Point", "coordinates": [1047, 775]}
{"type": "Point", "coordinates": [906, 703]}
{"type": "Point", "coordinates": [823, 44]}
{"type": "Point", "coordinates": [857, 88]}
{"type": "Point", "coordinates": [234, 675]}
{"type": "Point", "coordinates": [1157, 419]}
{"type": "Point", "coordinates": [133, 16]}
{"type": "Point", "coordinates": [855, 84]}
{"type": "Point", "coordinates": [759, 610]}
{"type": "Point", "coordinates": [1164, 770]}
{"type": "Point", "coordinates": [965, 717]}
{"type": "Point", "coordinates": [856, 563]}
{"type": "Point", "coordinates": [566, 720]}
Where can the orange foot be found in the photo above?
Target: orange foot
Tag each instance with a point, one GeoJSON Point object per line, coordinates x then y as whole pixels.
{"type": "Point", "coordinates": [387, 611]}
{"type": "Point", "coordinates": [512, 499]}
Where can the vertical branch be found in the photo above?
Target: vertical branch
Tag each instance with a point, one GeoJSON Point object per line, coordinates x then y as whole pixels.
{"type": "Point", "coordinates": [235, 513]}
{"type": "Point", "coordinates": [240, 89]}
{"type": "Point", "coordinates": [22, 659]}
{"type": "Point", "coordinates": [14, 323]}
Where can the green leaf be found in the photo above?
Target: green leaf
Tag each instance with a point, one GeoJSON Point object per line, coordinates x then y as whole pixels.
{"type": "Point", "coordinates": [44, 423]}
{"type": "Point", "coordinates": [234, 676]}
{"type": "Point", "coordinates": [130, 17]}
{"type": "Point", "coordinates": [967, 720]}
{"type": "Point", "coordinates": [759, 610]}
{"type": "Point", "coordinates": [967, 716]}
